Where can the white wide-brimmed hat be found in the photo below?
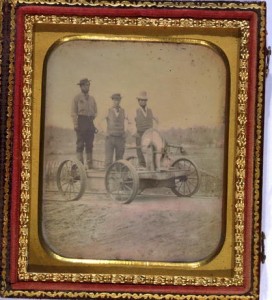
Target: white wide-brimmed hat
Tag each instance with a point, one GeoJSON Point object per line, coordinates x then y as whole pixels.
{"type": "Point", "coordinates": [142, 96]}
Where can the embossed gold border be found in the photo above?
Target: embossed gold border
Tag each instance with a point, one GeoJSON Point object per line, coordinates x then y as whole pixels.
{"type": "Point", "coordinates": [149, 4]}
{"type": "Point", "coordinates": [240, 162]}
{"type": "Point", "coordinates": [8, 153]}
{"type": "Point", "coordinates": [23, 274]}
{"type": "Point", "coordinates": [257, 180]}
{"type": "Point", "coordinates": [37, 120]}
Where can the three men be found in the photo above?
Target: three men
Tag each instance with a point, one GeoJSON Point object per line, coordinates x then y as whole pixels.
{"type": "Point", "coordinates": [84, 111]}
{"type": "Point", "coordinates": [115, 136]}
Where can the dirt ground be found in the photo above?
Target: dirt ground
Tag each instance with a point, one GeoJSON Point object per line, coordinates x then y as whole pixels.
{"type": "Point", "coordinates": [154, 227]}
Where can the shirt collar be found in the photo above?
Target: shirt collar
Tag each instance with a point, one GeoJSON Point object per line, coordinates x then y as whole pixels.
{"type": "Point", "coordinates": [118, 108]}
{"type": "Point", "coordinates": [85, 96]}
{"type": "Point", "coordinates": [144, 110]}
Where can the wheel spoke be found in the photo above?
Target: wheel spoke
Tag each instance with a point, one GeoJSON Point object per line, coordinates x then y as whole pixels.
{"type": "Point", "coordinates": [73, 188]}
{"type": "Point", "coordinates": [184, 188]}
{"type": "Point", "coordinates": [119, 189]}
{"type": "Point", "coordinates": [77, 186]}
{"type": "Point", "coordinates": [180, 186]}
{"type": "Point", "coordinates": [67, 187]}
{"type": "Point", "coordinates": [120, 181]}
{"type": "Point", "coordinates": [188, 187]}
{"type": "Point", "coordinates": [128, 187]}
{"type": "Point", "coordinates": [64, 184]}
{"type": "Point", "coordinates": [71, 180]}
{"type": "Point", "coordinates": [192, 179]}
{"type": "Point", "coordinates": [66, 192]}
{"type": "Point", "coordinates": [186, 184]}
{"type": "Point", "coordinates": [67, 169]}
{"type": "Point", "coordinates": [128, 181]}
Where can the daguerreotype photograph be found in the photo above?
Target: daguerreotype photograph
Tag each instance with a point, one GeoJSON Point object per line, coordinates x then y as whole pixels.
{"type": "Point", "coordinates": [134, 150]}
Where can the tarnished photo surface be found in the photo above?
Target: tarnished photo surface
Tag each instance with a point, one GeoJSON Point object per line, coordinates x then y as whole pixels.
{"type": "Point", "coordinates": [134, 149]}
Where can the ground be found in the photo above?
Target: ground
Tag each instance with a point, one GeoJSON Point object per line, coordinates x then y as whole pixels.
{"type": "Point", "coordinates": [156, 226]}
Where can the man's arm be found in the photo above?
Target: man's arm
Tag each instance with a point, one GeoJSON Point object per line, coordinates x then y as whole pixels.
{"type": "Point", "coordinates": [155, 118]}
{"type": "Point", "coordinates": [74, 113]}
{"type": "Point", "coordinates": [127, 119]}
{"type": "Point", "coordinates": [95, 108]}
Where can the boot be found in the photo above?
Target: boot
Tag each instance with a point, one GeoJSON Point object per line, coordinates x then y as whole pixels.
{"type": "Point", "coordinates": [80, 157]}
{"type": "Point", "coordinates": [89, 160]}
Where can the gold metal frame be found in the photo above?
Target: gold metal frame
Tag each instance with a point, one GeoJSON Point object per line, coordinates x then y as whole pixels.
{"type": "Point", "coordinates": [226, 269]}
{"type": "Point", "coordinates": [83, 265]}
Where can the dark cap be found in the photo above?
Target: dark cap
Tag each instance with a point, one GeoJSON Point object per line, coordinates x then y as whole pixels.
{"type": "Point", "coordinates": [84, 81]}
{"type": "Point", "coordinates": [116, 96]}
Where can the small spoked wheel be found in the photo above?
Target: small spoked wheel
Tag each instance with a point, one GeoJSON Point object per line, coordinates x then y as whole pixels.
{"type": "Point", "coordinates": [187, 183]}
{"type": "Point", "coordinates": [122, 181]}
{"type": "Point", "coordinates": [71, 180]}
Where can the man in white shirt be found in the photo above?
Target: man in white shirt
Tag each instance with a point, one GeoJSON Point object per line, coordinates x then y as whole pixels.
{"type": "Point", "coordinates": [144, 120]}
{"type": "Point", "coordinates": [83, 112]}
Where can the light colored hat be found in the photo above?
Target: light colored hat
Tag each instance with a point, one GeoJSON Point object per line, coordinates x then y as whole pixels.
{"type": "Point", "coordinates": [116, 96]}
{"type": "Point", "coordinates": [142, 95]}
{"type": "Point", "coordinates": [84, 81]}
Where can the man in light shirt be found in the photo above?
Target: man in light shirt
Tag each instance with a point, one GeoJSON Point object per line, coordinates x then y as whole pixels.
{"type": "Point", "coordinates": [144, 120]}
{"type": "Point", "coordinates": [83, 112]}
{"type": "Point", "coordinates": [115, 135]}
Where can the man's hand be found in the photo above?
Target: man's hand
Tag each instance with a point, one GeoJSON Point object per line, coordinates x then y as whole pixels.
{"type": "Point", "coordinates": [136, 135]}
{"type": "Point", "coordinates": [156, 120]}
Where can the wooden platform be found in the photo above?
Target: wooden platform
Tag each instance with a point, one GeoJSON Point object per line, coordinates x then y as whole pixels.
{"type": "Point", "coordinates": [160, 174]}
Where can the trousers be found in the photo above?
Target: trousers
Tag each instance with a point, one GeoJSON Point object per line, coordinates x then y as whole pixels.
{"type": "Point", "coordinates": [140, 155]}
{"type": "Point", "coordinates": [114, 145]}
{"type": "Point", "coordinates": [85, 134]}
{"type": "Point", "coordinates": [85, 140]}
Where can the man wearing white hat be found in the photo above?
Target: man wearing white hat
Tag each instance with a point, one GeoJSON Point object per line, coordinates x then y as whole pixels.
{"type": "Point", "coordinates": [84, 111]}
{"type": "Point", "coordinates": [144, 120]}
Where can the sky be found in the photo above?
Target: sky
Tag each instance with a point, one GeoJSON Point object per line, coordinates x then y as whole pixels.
{"type": "Point", "coordinates": [185, 83]}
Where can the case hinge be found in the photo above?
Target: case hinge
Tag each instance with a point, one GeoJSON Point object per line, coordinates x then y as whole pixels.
{"type": "Point", "coordinates": [267, 62]}
{"type": "Point", "coordinates": [262, 253]}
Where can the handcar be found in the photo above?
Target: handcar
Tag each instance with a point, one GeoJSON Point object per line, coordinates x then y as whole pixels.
{"type": "Point", "coordinates": [125, 179]}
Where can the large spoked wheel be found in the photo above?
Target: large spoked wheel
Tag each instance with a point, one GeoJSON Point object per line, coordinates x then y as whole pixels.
{"type": "Point", "coordinates": [186, 184]}
{"type": "Point", "coordinates": [71, 180]}
{"type": "Point", "coordinates": [122, 181]}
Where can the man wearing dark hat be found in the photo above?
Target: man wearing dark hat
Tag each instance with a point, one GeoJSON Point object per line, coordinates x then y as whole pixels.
{"type": "Point", "coordinates": [115, 137]}
{"type": "Point", "coordinates": [144, 120]}
{"type": "Point", "coordinates": [84, 111]}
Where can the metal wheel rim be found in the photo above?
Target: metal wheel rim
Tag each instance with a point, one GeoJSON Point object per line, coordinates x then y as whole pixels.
{"type": "Point", "coordinates": [122, 181]}
{"type": "Point", "coordinates": [188, 184]}
{"type": "Point", "coordinates": [71, 180]}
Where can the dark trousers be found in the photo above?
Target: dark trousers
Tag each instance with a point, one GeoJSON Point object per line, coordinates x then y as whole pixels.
{"type": "Point", "coordinates": [85, 140]}
{"type": "Point", "coordinates": [140, 155]}
{"type": "Point", "coordinates": [114, 144]}
{"type": "Point", "coordinates": [85, 134]}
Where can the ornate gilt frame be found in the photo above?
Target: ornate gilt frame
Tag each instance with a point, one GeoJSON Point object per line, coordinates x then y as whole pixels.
{"type": "Point", "coordinates": [24, 261]}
